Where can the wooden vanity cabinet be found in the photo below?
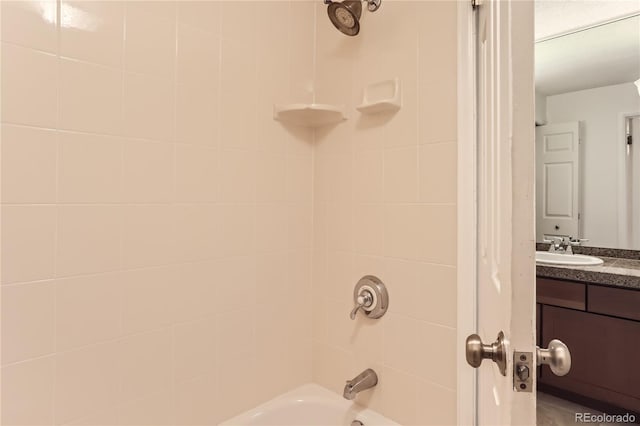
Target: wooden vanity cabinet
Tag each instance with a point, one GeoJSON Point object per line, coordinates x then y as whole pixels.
{"type": "Point", "coordinates": [605, 349]}
{"type": "Point", "coordinates": [565, 294]}
{"type": "Point", "coordinates": [616, 302]}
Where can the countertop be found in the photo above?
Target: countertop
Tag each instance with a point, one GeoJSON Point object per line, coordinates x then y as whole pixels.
{"type": "Point", "coordinates": [615, 272]}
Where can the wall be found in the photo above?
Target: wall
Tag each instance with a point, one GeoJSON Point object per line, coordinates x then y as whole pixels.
{"type": "Point", "coordinates": [157, 223]}
{"type": "Point", "coordinates": [599, 111]}
{"type": "Point", "coordinates": [385, 204]}
{"type": "Point", "coordinates": [162, 235]}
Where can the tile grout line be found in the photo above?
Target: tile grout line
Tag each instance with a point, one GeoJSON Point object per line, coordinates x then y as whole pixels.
{"type": "Point", "coordinates": [54, 386]}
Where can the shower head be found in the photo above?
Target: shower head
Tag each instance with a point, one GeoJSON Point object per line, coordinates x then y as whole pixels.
{"type": "Point", "coordinates": [345, 16]}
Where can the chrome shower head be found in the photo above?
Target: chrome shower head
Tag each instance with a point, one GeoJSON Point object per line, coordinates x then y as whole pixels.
{"type": "Point", "coordinates": [345, 16]}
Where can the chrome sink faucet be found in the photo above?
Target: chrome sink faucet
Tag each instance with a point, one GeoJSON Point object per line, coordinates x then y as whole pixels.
{"type": "Point", "coordinates": [563, 245]}
{"type": "Point", "coordinates": [559, 245]}
{"type": "Point", "coordinates": [365, 380]}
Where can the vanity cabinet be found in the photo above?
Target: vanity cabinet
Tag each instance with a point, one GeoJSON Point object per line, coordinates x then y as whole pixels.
{"type": "Point", "coordinates": [601, 327]}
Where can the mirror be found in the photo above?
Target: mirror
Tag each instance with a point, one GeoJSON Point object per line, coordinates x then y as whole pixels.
{"type": "Point", "coordinates": [588, 135]}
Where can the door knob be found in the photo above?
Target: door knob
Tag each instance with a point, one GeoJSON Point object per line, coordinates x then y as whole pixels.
{"type": "Point", "coordinates": [476, 352]}
{"type": "Point", "coordinates": [557, 357]}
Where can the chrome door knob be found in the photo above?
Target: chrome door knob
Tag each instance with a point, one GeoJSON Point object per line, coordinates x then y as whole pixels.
{"type": "Point", "coordinates": [557, 356]}
{"type": "Point", "coordinates": [476, 352]}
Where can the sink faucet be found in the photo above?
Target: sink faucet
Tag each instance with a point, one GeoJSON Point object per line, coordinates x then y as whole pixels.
{"type": "Point", "coordinates": [563, 244]}
{"type": "Point", "coordinates": [559, 245]}
{"type": "Point", "coordinates": [365, 380]}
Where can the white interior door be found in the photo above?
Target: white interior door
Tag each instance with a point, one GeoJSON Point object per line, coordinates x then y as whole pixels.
{"type": "Point", "coordinates": [505, 204]}
{"type": "Point", "coordinates": [557, 180]}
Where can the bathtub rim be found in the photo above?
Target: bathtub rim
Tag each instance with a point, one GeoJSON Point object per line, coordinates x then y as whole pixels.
{"type": "Point", "coordinates": [312, 392]}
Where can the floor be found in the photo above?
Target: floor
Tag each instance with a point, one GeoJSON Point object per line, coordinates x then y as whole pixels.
{"type": "Point", "coordinates": [554, 411]}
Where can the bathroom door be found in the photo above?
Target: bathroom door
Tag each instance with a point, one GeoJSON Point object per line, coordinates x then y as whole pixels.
{"type": "Point", "coordinates": [505, 247]}
{"type": "Point", "coordinates": [557, 180]}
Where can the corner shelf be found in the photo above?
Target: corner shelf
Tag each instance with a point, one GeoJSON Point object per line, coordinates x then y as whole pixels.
{"type": "Point", "coordinates": [309, 115]}
{"type": "Point", "coordinates": [385, 96]}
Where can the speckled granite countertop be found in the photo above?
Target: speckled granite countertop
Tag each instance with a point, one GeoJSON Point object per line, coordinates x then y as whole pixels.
{"type": "Point", "coordinates": [615, 272]}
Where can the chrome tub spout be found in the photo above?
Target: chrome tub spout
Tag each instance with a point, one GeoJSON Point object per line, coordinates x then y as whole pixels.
{"type": "Point", "coordinates": [365, 380]}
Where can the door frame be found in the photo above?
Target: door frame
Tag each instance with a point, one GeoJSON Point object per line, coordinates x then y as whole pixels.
{"type": "Point", "coordinates": [523, 162]}
{"type": "Point", "coordinates": [466, 216]}
{"type": "Point", "coordinates": [623, 215]}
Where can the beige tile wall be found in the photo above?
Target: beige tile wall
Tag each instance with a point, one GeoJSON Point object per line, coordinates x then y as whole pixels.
{"type": "Point", "coordinates": [385, 194]}
{"type": "Point", "coordinates": [156, 221]}
{"type": "Point", "coordinates": [160, 231]}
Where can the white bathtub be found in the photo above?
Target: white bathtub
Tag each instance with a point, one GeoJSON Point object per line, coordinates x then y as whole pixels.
{"type": "Point", "coordinates": [309, 405]}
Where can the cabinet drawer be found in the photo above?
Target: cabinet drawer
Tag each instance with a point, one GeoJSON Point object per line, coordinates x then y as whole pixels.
{"type": "Point", "coordinates": [615, 301]}
{"type": "Point", "coordinates": [561, 293]}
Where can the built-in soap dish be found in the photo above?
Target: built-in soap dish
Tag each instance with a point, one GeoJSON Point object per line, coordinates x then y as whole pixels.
{"type": "Point", "coordinates": [384, 96]}
{"type": "Point", "coordinates": [309, 115]}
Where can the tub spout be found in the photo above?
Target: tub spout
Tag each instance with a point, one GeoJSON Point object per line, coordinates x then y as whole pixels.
{"type": "Point", "coordinates": [365, 380]}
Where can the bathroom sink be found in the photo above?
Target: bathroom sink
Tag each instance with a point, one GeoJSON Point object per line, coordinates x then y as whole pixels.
{"type": "Point", "coordinates": [548, 258]}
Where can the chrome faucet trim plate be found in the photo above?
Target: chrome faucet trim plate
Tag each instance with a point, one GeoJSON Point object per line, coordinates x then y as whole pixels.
{"type": "Point", "coordinates": [371, 297]}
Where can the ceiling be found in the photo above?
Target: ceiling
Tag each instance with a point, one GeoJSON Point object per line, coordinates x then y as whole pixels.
{"type": "Point", "coordinates": [592, 57]}
{"type": "Point", "coordinates": [554, 17]}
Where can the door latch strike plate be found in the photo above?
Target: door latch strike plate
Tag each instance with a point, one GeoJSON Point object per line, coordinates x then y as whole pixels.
{"type": "Point", "coordinates": [523, 371]}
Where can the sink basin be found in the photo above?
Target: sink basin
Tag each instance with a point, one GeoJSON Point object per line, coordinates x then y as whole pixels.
{"type": "Point", "coordinates": [549, 258]}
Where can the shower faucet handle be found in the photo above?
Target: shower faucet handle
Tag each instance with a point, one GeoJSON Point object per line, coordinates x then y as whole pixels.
{"type": "Point", "coordinates": [370, 295]}
{"type": "Point", "coordinates": [364, 300]}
